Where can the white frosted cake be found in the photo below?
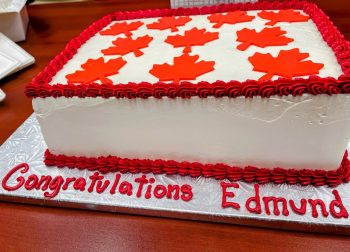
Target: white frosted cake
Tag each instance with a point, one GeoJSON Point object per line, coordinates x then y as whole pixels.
{"type": "Point", "coordinates": [258, 92]}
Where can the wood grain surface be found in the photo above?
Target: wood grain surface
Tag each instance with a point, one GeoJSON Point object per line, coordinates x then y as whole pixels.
{"type": "Point", "coordinates": [36, 228]}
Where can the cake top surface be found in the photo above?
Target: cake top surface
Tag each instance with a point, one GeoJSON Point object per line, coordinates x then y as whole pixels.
{"type": "Point", "coordinates": [263, 42]}
{"type": "Point", "coordinates": [201, 49]}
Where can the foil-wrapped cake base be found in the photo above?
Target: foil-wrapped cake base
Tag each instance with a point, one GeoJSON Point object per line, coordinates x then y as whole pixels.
{"type": "Point", "coordinates": [23, 176]}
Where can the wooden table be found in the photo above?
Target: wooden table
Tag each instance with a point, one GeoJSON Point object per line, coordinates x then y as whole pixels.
{"type": "Point", "coordinates": [35, 228]}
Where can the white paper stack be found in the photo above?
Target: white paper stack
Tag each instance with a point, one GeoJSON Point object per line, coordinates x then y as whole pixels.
{"type": "Point", "coordinates": [2, 95]}
{"type": "Point", "coordinates": [12, 59]}
{"type": "Point", "coordinates": [13, 19]}
{"type": "Point", "coordinates": [192, 3]}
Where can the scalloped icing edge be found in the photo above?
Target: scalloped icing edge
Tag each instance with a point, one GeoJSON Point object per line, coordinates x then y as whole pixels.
{"type": "Point", "coordinates": [219, 171]}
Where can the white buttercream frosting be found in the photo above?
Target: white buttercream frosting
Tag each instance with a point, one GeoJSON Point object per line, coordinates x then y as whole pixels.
{"type": "Point", "coordinates": [291, 132]}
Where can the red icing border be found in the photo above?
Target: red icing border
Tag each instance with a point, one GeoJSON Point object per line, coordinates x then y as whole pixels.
{"type": "Point", "coordinates": [39, 86]}
{"type": "Point", "coordinates": [195, 169]}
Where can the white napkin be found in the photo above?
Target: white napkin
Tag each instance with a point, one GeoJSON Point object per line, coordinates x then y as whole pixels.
{"type": "Point", "coordinates": [12, 59]}
{"type": "Point", "coordinates": [11, 51]}
{"type": "Point", "coordinates": [8, 65]}
{"type": "Point", "coordinates": [2, 95]}
{"type": "Point", "coordinates": [9, 6]}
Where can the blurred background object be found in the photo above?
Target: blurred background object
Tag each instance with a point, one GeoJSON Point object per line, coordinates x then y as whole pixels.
{"type": "Point", "coordinates": [14, 53]}
{"type": "Point", "coordinates": [13, 19]}
{"type": "Point", "coordinates": [53, 1]}
{"type": "Point", "coordinates": [2, 95]}
{"type": "Point", "coordinates": [174, 3]}
{"type": "Point", "coordinates": [13, 27]}
{"type": "Point", "coordinates": [12, 59]}
{"type": "Point", "coordinates": [191, 3]}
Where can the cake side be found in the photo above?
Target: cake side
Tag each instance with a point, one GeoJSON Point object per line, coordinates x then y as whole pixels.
{"type": "Point", "coordinates": [290, 132]}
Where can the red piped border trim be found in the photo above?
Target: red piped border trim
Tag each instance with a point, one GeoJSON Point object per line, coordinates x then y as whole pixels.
{"type": "Point", "coordinates": [218, 171]}
{"type": "Point", "coordinates": [39, 86]}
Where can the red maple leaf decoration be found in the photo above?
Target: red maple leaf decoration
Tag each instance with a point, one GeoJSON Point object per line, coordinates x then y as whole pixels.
{"type": "Point", "coordinates": [191, 38]}
{"type": "Point", "coordinates": [229, 18]}
{"type": "Point", "coordinates": [96, 69]}
{"type": "Point", "coordinates": [283, 16]}
{"type": "Point", "coordinates": [122, 28]}
{"type": "Point", "coordinates": [266, 37]}
{"type": "Point", "coordinates": [185, 67]}
{"type": "Point", "coordinates": [169, 23]}
{"type": "Point", "coordinates": [127, 45]}
{"type": "Point", "coordinates": [288, 64]}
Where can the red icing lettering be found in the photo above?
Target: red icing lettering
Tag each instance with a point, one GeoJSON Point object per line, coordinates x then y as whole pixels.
{"type": "Point", "coordinates": [226, 194]}
{"type": "Point", "coordinates": [186, 191]}
{"type": "Point", "coordinates": [301, 210]}
{"type": "Point", "coordinates": [55, 186]}
{"type": "Point", "coordinates": [101, 187]}
{"type": "Point", "coordinates": [68, 181]}
{"type": "Point", "coordinates": [337, 202]}
{"type": "Point", "coordinates": [160, 191]}
{"type": "Point", "coordinates": [149, 188]}
{"type": "Point", "coordinates": [79, 184]}
{"type": "Point", "coordinates": [94, 178]}
{"type": "Point", "coordinates": [115, 183]}
{"type": "Point", "coordinates": [31, 182]}
{"type": "Point", "coordinates": [97, 181]}
{"type": "Point", "coordinates": [43, 179]}
{"type": "Point", "coordinates": [314, 203]}
{"type": "Point", "coordinates": [125, 188]}
{"type": "Point", "coordinates": [276, 210]}
{"type": "Point", "coordinates": [256, 200]}
{"type": "Point", "coordinates": [171, 189]}
{"type": "Point", "coordinates": [23, 169]}
{"type": "Point", "coordinates": [142, 180]}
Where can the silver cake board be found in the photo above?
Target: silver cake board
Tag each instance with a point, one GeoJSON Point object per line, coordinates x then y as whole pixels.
{"type": "Point", "coordinates": [26, 145]}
